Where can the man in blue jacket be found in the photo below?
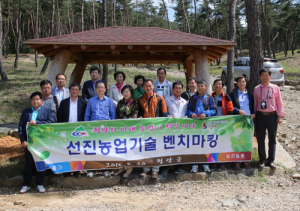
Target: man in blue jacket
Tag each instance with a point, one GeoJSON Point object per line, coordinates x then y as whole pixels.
{"type": "Point", "coordinates": [89, 87]}
{"type": "Point", "coordinates": [34, 115]}
{"type": "Point", "coordinates": [201, 106]}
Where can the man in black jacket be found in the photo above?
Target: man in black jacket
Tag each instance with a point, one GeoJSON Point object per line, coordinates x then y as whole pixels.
{"type": "Point", "coordinates": [88, 89]}
{"type": "Point", "coordinates": [243, 104]}
{"type": "Point", "coordinates": [37, 114]}
{"type": "Point", "coordinates": [73, 108]}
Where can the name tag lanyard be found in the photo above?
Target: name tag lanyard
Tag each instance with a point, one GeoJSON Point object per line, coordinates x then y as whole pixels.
{"type": "Point", "coordinates": [268, 94]}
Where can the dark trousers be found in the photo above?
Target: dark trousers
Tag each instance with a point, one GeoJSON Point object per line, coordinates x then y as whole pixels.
{"type": "Point", "coordinates": [264, 122]}
{"type": "Point", "coordinates": [29, 168]}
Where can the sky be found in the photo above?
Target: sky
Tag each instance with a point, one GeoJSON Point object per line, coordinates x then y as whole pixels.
{"type": "Point", "coordinates": [171, 12]}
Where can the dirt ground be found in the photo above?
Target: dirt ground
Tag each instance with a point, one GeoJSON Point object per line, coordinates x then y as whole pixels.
{"type": "Point", "coordinates": [265, 193]}
{"type": "Point", "coordinates": [10, 147]}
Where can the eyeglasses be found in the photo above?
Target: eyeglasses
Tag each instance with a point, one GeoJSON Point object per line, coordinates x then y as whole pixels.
{"type": "Point", "coordinates": [60, 79]}
{"type": "Point", "coordinates": [45, 88]}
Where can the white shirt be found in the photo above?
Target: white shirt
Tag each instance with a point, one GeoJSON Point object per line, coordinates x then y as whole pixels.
{"type": "Point", "coordinates": [160, 88]}
{"type": "Point", "coordinates": [175, 108]}
{"type": "Point", "coordinates": [73, 111]}
{"type": "Point", "coordinates": [59, 94]}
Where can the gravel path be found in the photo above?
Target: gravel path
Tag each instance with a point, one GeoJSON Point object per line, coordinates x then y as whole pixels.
{"type": "Point", "coordinates": [261, 193]}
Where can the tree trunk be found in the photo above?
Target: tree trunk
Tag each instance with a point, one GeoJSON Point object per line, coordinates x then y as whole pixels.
{"type": "Point", "coordinates": [196, 17]}
{"type": "Point", "coordinates": [82, 22]}
{"type": "Point", "coordinates": [69, 18]}
{"type": "Point", "coordinates": [208, 19]}
{"type": "Point", "coordinates": [2, 70]}
{"type": "Point", "coordinates": [232, 37]}
{"type": "Point", "coordinates": [254, 39]}
{"type": "Point", "coordinates": [72, 16]}
{"type": "Point", "coordinates": [185, 18]}
{"type": "Point", "coordinates": [58, 20]}
{"type": "Point", "coordinates": [267, 29]}
{"type": "Point", "coordinates": [19, 37]}
{"type": "Point", "coordinates": [104, 13]}
{"type": "Point", "coordinates": [137, 14]}
{"type": "Point", "coordinates": [166, 13]}
{"type": "Point", "coordinates": [94, 18]}
{"type": "Point", "coordinates": [45, 66]}
{"type": "Point", "coordinates": [36, 33]}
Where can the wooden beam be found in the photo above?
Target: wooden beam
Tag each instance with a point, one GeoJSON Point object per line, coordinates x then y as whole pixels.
{"type": "Point", "coordinates": [190, 72]}
{"type": "Point", "coordinates": [209, 60]}
{"type": "Point", "coordinates": [45, 49]}
{"type": "Point", "coordinates": [202, 69]}
{"type": "Point", "coordinates": [58, 46]}
{"type": "Point", "coordinates": [216, 49]}
{"type": "Point", "coordinates": [211, 57]}
{"type": "Point", "coordinates": [50, 53]}
{"type": "Point", "coordinates": [190, 57]}
{"type": "Point", "coordinates": [167, 63]}
{"type": "Point", "coordinates": [58, 65]}
{"type": "Point", "coordinates": [139, 58]}
{"type": "Point", "coordinates": [213, 53]}
{"type": "Point", "coordinates": [135, 49]}
{"type": "Point", "coordinates": [77, 56]}
{"type": "Point", "coordinates": [225, 47]}
{"type": "Point", "coordinates": [78, 72]}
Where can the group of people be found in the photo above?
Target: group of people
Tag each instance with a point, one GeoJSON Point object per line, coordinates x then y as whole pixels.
{"type": "Point", "coordinates": [149, 99]}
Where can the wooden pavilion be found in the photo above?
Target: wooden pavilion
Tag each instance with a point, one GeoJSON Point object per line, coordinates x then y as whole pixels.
{"type": "Point", "coordinates": [135, 45]}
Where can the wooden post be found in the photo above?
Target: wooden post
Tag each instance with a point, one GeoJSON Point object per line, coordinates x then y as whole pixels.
{"type": "Point", "coordinates": [58, 65]}
{"type": "Point", "coordinates": [78, 72]}
{"type": "Point", "coordinates": [190, 72]}
{"type": "Point", "coordinates": [202, 69]}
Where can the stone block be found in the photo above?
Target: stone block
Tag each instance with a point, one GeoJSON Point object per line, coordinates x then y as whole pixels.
{"type": "Point", "coordinates": [89, 182]}
{"type": "Point", "coordinates": [296, 176]}
{"type": "Point", "coordinates": [218, 176]}
{"type": "Point", "coordinates": [135, 179]}
{"type": "Point", "coordinates": [191, 176]}
{"type": "Point", "coordinates": [271, 171]}
{"type": "Point", "coordinates": [18, 180]}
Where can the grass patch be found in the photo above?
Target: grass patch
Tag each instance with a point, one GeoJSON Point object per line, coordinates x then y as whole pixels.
{"type": "Point", "coordinates": [11, 167]}
{"type": "Point", "coordinates": [255, 158]}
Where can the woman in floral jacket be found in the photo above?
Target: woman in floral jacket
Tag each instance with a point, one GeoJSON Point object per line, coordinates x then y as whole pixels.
{"type": "Point", "coordinates": [127, 108]}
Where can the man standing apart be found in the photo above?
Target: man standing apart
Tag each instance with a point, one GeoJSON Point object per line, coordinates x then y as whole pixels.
{"type": "Point", "coordinates": [177, 107]}
{"type": "Point", "coordinates": [100, 107]}
{"type": "Point", "coordinates": [269, 112]}
{"type": "Point", "coordinates": [37, 114]}
{"type": "Point", "coordinates": [60, 91]}
{"type": "Point", "coordinates": [162, 86]}
{"type": "Point", "coordinates": [192, 89]}
{"type": "Point", "coordinates": [49, 101]}
{"type": "Point", "coordinates": [151, 105]}
{"type": "Point", "coordinates": [89, 87]}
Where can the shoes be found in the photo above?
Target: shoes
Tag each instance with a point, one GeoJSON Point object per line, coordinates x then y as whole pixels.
{"type": "Point", "coordinates": [206, 168]}
{"type": "Point", "coordinates": [194, 169]}
{"type": "Point", "coordinates": [214, 167]}
{"type": "Point", "coordinates": [144, 173]}
{"type": "Point", "coordinates": [41, 189]}
{"type": "Point", "coordinates": [128, 171]}
{"type": "Point", "coordinates": [273, 166]}
{"type": "Point", "coordinates": [247, 166]}
{"type": "Point", "coordinates": [262, 164]}
{"type": "Point", "coordinates": [90, 174]}
{"type": "Point", "coordinates": [222, 168]}
{"type": "Point", "coordinates": [106, 174]}
{"type": "Point", "coordinates": [24, 189]}
{"type": "Point", "coordinates": [179, 171]}
{"type": "Point", "coordinates": [155, 175]}
{"type": "Point", "coordinates": [164, 173]}
{"type": "Point", "coordinates": [237, 167]}
{"type": "Point", "coordinates": [120, 171]}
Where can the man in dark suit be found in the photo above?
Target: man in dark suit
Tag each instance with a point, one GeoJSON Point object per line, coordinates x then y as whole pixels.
{"type": "Point", "coordinates": [73, 108]}
{"type": "Point", "coordinates": [34, 115]}
{"type": "Point", "coordinates": [88, 89]}
{"type": "Point", "coordinates": [243, 104]}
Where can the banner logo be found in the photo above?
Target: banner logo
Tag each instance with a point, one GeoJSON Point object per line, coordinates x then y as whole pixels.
{"type": "Point", "coordinates": [204, 126]}
{"type": "Point", "coordinates": [79, 132]}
